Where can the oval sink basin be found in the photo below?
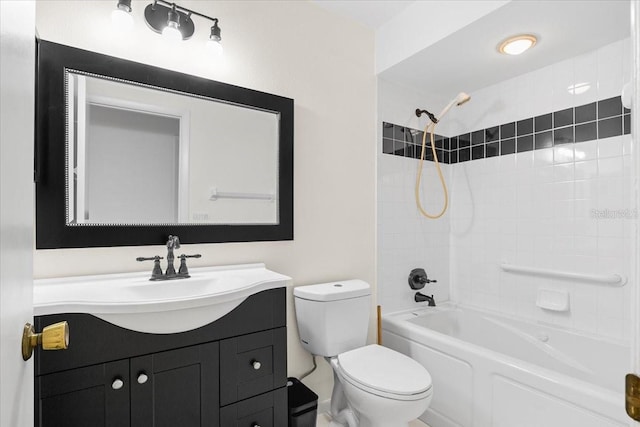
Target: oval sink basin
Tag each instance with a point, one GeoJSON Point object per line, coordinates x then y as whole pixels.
{"type": "Point", "coordinates": [134, 302]}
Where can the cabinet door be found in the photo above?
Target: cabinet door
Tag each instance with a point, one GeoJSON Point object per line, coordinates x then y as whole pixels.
{"type": "Point", "coordinates": [176, 388]}
{"type": "Point", "coordinates": [252, 364]}
{"type": "Point", "coordinates": [96, 396]}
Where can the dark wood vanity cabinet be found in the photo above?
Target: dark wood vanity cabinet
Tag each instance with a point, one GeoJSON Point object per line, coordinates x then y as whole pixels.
{"type": "Point", "coordinates": [231, 372]}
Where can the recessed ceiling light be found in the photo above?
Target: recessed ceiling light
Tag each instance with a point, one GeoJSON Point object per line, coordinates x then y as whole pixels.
{"type": "Point", "coordinates": [517, 44]}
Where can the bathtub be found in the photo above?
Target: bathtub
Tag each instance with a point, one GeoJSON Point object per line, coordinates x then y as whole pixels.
{"type": "Point", "coordinates": [492, 370]}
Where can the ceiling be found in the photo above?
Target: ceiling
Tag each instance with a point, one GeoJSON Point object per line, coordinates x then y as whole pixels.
{"type": "Point", "coordinates": [370, 13]}
{"type": "Point", "coordinates": [467, 60]}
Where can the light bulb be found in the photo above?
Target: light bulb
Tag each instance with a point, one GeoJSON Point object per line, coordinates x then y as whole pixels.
{"type": "Point", "coordinates": [122, 20]}
{"type": "Point", "coordinates": [517, 47]}
{"type": "Point", "coordinates": [171, 33]}
{"type": "Point", "coordinates": [214, 48]}
{"type": "Point", "coordinates": [518, 44]}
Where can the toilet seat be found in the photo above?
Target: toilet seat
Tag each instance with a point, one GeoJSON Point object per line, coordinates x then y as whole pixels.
{"type": "Point", "coordinates": [384, 372]}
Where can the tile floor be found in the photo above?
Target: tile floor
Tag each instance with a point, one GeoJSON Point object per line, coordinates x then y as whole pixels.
{"type": "Point", "coordinates": [323, 421]}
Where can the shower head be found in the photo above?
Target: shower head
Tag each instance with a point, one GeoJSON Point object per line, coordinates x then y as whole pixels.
{"type": "Point", "coordinates": [460, 99]}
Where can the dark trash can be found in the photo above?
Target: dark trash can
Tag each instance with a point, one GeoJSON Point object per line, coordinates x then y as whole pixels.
{"type": "Point", "coordinates": [303, 404]}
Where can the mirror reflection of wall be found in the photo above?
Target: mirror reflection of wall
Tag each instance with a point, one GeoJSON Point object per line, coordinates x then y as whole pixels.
{"type": "Point", "coordinates": [131, 167]}
{"type": "Point", "coordinates": [141, 155]}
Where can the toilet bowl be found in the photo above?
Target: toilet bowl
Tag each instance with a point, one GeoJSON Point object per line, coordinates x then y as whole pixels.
{"type": "Point", "coordinates": [374, 386]}
{"type": "Point", "coordinates": [383, 387]}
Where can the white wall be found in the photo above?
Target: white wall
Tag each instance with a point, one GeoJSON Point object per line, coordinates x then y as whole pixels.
{"type": "Point", "coordinates": [423, 23]}
{"type": "Point", "coordinates": [293, 49]}
{"type": "Point", "coordinates": [131, 166]}
{"type": "Point", "coordinates": [536, 208]}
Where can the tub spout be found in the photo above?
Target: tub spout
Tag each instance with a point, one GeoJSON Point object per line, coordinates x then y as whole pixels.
{"type": "Point", "coordinates": [420, 297]}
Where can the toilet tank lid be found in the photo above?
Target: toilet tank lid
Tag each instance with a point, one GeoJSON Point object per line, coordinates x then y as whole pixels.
{"type": "Point", "coordinates": [333, 291]}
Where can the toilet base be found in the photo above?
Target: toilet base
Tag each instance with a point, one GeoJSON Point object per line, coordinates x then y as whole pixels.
{"type": "Point", "coordinates": [366, 423]}
{"type": "Point", "coordinates": [344, 411]}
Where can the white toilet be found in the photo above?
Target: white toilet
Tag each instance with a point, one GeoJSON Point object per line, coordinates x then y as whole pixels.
{"type": "Point", "coordinates": [373, 386]}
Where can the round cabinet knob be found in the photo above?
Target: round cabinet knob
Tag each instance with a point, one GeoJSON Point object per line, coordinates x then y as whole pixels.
{"type": "Point", "coordinates": [255, 425]}
{"type": "Point", "coordinates": [256, 365]}
{"type": "Point", "coordinates": [117, 384]}
{"type": "Point", "coordinates": [142, 378]}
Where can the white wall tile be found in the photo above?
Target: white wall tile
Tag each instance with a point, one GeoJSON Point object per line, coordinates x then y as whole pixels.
{"type": "Point", "coordinates": [586, 73]}
{"type": "Point", "coordinates": [586, 150]}
{"type": "Point", "coordinates": [610, 74]}
{"type": "Point", "coordinates": [563, 78]}
{"type": "Point", "coordinates": [585, 170]}
{"type": "Point", "coordinates": [542, 158]}
{"type": "Point", "coordinates": [610, 147]}
{"type": "Point", "coordinates": [563, 172]}
{"type": "Point", "coordinates": [563, 154]}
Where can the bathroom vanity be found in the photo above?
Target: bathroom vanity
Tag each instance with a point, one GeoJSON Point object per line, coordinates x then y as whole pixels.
{"type": "Point", "coordinates": [231, 371]}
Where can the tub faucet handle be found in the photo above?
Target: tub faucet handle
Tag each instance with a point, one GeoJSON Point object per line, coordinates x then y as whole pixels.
{"type": "Point", "coordinates": [418, 278]}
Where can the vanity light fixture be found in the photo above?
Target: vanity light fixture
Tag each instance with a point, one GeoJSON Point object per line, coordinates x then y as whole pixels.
{"type": "Point", "coordinates": [171, 31]}
{"type": "Point", "coordinates": [517, 44]}
{"type": "Point", "coordinates": [171, 20]}
{"type": "Point", "coordinates": [213, 44]}
{"type": "Point", "coordinates": [121, 16]}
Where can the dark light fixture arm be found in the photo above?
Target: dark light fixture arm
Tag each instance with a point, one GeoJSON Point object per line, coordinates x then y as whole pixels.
{"type": "Point", "coordinates": [189, 12]}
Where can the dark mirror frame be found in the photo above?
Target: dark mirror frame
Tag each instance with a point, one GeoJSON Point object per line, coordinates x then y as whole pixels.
{"type": "Point", "coordinates": [50, 154]}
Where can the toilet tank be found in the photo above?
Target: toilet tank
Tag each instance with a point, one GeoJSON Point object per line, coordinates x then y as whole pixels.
{"type": "Point", "coordinates": [333, 317]}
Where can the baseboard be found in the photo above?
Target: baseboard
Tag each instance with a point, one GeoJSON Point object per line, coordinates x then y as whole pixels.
{"type": "Point", "coordinates": [324, 407]}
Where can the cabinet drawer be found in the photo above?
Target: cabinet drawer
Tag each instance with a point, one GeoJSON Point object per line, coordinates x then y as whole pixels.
{"type": "Point", "coordinates": [252, 364]}
{"type": "Point", "coordinates": [266, 410]}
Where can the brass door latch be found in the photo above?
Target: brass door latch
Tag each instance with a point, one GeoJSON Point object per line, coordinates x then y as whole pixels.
{"type": "Point", "coordinates": [632, 396]}
{"type": "Point", "coordinates": [53, 337]}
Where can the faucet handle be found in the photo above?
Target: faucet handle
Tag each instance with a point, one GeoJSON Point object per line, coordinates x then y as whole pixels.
{"type": "Point", "coordinates": [418, 278]}
{"type": "Point", "coordinates": [152, 258]}
{"type": "Point", "coordinates": [156, 273]}
{"type": "Point", "coordinates": [183, 271]}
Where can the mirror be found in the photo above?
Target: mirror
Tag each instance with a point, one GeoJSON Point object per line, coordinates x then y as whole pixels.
{"type": "Point", "coordinates": [141, 155]}
{"type": "Point", "coordinates": [127, 153]}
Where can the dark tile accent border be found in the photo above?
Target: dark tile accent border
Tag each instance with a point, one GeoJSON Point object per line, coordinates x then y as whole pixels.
{"type": "Point", "coordinates": [597, 120]}
{"type": "Point", "coordinates": [406, 142]}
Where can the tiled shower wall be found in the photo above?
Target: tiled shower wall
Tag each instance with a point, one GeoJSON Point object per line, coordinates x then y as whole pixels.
{"type": "Point", "coordinates": [565, 208]}
{"type": "Point", "coordinates": [563, 204]}
{"type": "Point", "coordinates": [405, 239]}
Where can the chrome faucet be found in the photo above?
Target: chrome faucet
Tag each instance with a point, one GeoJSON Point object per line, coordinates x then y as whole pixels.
{"type": "Point", "coordinates": [173, 242]}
